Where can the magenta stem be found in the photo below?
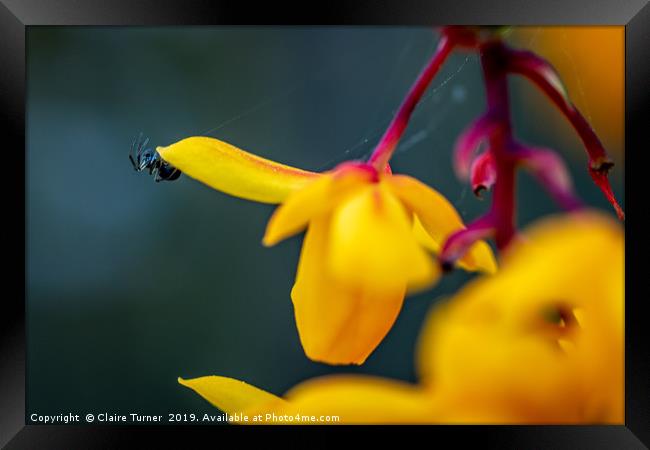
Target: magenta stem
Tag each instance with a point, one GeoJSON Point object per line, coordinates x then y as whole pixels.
{"type": "Point", "coordinates": [457, 244]}
{"type": "Point", "coordinates": [523, 63]}
{"type": "Point", "coordinates": [502, 212]}
{"type": "Point", "coordinates": [497, 61]}
{"type": "Point", "coordinates": [499, 222]}
{"type": "Point", "coordinates": [386, 146]}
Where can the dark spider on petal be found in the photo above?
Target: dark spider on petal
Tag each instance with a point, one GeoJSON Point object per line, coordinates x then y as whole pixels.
{"type": "Point", "coordinates": [144, 158]}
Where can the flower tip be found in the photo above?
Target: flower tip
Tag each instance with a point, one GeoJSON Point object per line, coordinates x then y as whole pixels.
{"type": "Point", "coordinates": [273, 232]}
{"type": "Point", "coordinates": [619, 212]}
{"type": "Point", "coordinates": [599, 176]}
{"type": "Point", "coordinates": [446, 266]}
{"type": "Point", "coordinates": [602, 165]}
{"type": "Point", "coordinates": [478, 191]}
{"type": "Point", "coordinates": [490, 267]}
{"type": "Point", "coordinates": [269, 240]}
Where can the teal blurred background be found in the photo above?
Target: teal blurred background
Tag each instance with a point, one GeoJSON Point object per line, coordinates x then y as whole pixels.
{"type": "Point", "coordinates": [133, 283]}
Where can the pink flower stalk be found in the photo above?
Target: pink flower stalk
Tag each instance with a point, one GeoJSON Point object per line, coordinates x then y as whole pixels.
{"type": "Point", "coordinates": [494, 167]}
{"type": "Point", "coordinates": [387, 144]}
{"type": "Point", "coordinates": [546, 78]}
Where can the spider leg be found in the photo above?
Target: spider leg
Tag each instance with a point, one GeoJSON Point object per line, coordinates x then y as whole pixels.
{"type": "Point", "coordinates": [132, 154]}
{"type": "Point", "coordinates": [144, 159]}
{"type": "Point", "coordinates": [137, 142]}
{"type": "Point", "coordinates": [141, 149]}
{"type": "Point", "coordinates": [133, 162]}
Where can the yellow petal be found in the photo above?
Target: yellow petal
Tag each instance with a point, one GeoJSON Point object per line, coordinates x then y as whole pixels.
{"type": "Point", "coordinates": [372, 245]}
{"type": "Point", "coordinates": [359, 399]}
{"type": "Point", "coordinates": [325, 400]}
{"type": "Point", "coordinates": [338, 324]}
{"type": "Point", "coordinates": [317, 198]}
{"type": "Point", "coordinates": [231, 170]}
{"type": "Point", "coordinates": [542, 340]}
{"type": "Point", "coordinates": [231, 396]}
{"type": "Point", "coordinates": [440, 219]}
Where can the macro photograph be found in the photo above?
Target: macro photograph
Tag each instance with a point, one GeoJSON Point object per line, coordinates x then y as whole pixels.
{"type": "Point", "coordinates": [292, 226]}
{"type": "Point", "coordinates": [349, 225]}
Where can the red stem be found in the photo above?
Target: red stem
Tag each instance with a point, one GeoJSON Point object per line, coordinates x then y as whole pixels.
{"type": "Point", "coordinates": [525, 63]}
{"type": "Point", "coordinates": [391, 137]}
{"type": "Point", "coordinates": [544, 76]}
{"type": "Point", "coordinates": [457, 244]}
{"type": "Point", "coordinates": [500, 220]}
{"type": "Point", "coordinates": [497, 62]}
{"type": "Point", "coordinates": [502, 210]}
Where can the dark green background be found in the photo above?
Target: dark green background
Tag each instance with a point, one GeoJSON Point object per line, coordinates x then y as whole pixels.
{"type": "Point", "coordinates": [132, 283]}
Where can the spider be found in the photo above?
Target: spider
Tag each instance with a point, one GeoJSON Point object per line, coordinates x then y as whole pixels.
{"type": "Point", "coordinates": [146, 158]}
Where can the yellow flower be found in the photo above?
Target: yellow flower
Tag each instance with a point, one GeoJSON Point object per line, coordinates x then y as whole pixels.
{"type": "Point", "coordinates": [550, 328]}
{"type": "Point", "coordinates": [539, 342]}
{"type": "Point", "coordinates": [360, 254]}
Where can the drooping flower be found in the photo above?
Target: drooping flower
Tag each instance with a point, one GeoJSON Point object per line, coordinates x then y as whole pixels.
{"type": "Point", "coordinates": [367, 230]}
{"type": "Point", "coordinates": [366, 243]}
{"type": "Point", "coordinates": [539, 342]}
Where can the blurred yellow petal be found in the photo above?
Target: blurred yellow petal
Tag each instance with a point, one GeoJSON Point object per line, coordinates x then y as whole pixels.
{"type": "Point", "coordinates": [231, 396]}
{"type": "Point", "coordinates": [541, 341]}
{"type": "Point", "coordinates": [231, 170]}
{"type": "Point", "coordinates": [372, 245]}
{"type": "Point", "coordinates": [338, 323]}
{"type": "Point", "coordinates": [325, 400]}
{"type": "Point", "coordinates": [317, 198]}
{"type": "Point", "coordinates": [439, 219]}
{"type": "Point", "coordinates": [360, 399]}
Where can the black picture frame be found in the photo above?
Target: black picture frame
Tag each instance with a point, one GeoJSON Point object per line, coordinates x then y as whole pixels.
{"type": "Point", "coordinates": [17, 15]}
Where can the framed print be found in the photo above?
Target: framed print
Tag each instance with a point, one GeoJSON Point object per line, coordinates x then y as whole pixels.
{"type": "Point", "coordinates": [390, 217]}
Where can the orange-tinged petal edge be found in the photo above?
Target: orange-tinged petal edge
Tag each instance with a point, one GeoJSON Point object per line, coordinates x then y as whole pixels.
{"type": "Point", "coordinates": [229, 169]}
